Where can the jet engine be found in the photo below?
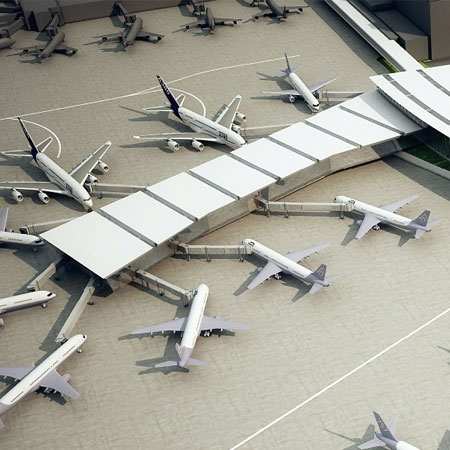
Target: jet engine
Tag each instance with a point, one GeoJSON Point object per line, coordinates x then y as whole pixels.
{"type": "Point", "coordinates": [67, 376]}
{"type": "Point", "coordinates": [236, 128]}
{"type": "Point", "coordinates": [103, 166]}
{"type": "Point", "coordinates": [240, 117]}
{"type": "Point", "coordinates": [173, 145]}
{"type": "Point", "coordinates": [197, 145]}
{"type": "Point", "coordinates": [359, 222]}
{"type": "Point", "coordinates": [2, 322]}
{"type": "Point", "coordinates": [291, 98]}
{"type": "Point", "coordinates": [43, 197]}
{"type": "Point", "coordinates": [91, 179]}
{"type": "Point", "coordinates": [16, 195]}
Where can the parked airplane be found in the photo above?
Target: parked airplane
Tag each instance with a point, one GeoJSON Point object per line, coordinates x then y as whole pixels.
{"type": "Point", "coordinates": [386, 214]}
{"type": "Point", "coordinates": [44, 375]}
{"type": "Point", "coordinates": [6, 42]}
{"type": "Point", "coordinates": [288, 263]}
{"type": "Point", "coordinates": [278, 12]}
{"type": "Point", "coordinates": [191, 327]}
{"type": "Point", "coordinates": [54, 45]}
{"type": "Point", "coordinates": [386, 437]}
{"type": "Point", "coordinates": [208, 22]}
{"type": "Point", "coordinates": [222, 130]}
{"type": "Point", "coordinates": [7, 236]}
{"type": "Point", "coordinates": [300, 88]}
{"type": "Point", "coordinates": [23, 301]}
{"type": "Point", "coordinates": [70, 184]}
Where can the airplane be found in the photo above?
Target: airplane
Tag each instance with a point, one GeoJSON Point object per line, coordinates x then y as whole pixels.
{"type": "Point", "coordinates": [300, 89]}
{"type": "Point", "coordinates": [288, 263]}
{"type": "Point", "coordinates": [6, 42]}
{"type": "Point", "coordinates": [44, 375]}
{"type": "Point", "coordinates": [133, 29]}
{"type": "Point", "coordinates": [7, 236]}
{"type": "Point", "coordinates": [278, 12]}
{"type": "Point", "coordinates": [60, 182]}
{"type": "Point", "coordinates": [23, 301]}
{"type": "Point", "coordinates": [208, 22]}
{"type": "Point", "coordinates": [222, 130]}
{"type": "Point", "coordinates": [385, 214]}
{"type": "Point", "coordinates": [54, 45]}
{"type": "Point", "coordinates": [386, 437]}
{"type": "Point", "coordinates": [191, 327]}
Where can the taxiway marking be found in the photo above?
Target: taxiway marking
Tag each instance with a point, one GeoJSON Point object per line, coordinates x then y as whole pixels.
{"type": "Point", "coordinates": [339, 380]}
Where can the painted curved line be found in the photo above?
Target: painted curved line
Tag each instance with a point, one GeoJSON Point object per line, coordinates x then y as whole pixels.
{"type": "Point", "coordinates": [194, 97]}
{"type": "Point", "coordinates": [44, 128]}
{"type": "Point", "coordinates": [149, 90]}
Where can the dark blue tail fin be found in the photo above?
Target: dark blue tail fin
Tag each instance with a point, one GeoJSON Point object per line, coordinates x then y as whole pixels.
{"type": "Point", "coordinates": [174, 106]}
{"type": "Point", "coordinates": [423, 218]}
{"type": "Point", "coordinates": [34, 150]}
{"type": "Point", "coordinates": [384, 429]}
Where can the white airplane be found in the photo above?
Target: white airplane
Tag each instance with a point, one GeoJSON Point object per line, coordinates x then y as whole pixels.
{"type": "Point", "coordinates": [385, 214]}
{"type": "Point", "coordinates": [71, 184]}
{"type": "Point", "coordinates": [44, 375]}
{"type": "Point", "coordinates": [7, 236]}
{"type": "Point", "coordinates": [386, 437]}
{"type": "Point", "coordinates": [191, 327]}
{"type": "Point", "coordinates": [300, 89]}
{"type": "Point", "coordinates": [223, 130]}
{"type": "Point", "coordinates": [23, 301]}
{"type": "Point", "coordinates": [288, 263]}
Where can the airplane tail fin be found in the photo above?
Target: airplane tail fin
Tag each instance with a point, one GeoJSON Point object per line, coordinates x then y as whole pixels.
{"type": "Point", "coordinates": [422, 219]}
{"type": "Point", "coordinates": [174, 105]}
{"type": "Point", "coordinates": [288, 66]}
{"type": "Point", "coordinates": [320, 272]}
{"type": "Point", "coordinates": [34, 150]}
{"type": "Point", "coordinates": [384, 429]}
{"type": "Point", "coordinates": [3, 218]}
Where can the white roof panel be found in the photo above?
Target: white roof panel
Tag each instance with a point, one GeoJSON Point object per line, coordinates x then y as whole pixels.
{"type": "Point", "coordinates": [373, 105]}
{"type": "Point", "coordinates": [190, 195]}
{"type": "Point", "coordinates": [311, 141]}
{"type": "Point", "coordinates": [96, 243]}
{"type": "Point", "coordinates": [272, 157]}
{"type": "Point", "coordinates": [440, 74]}
{"type": "Point", "coordinates": [148, 217]}
{"type": "Point", "coordinates": [233, 176]}
{"type": "Point", "coordinates": [351, 127]}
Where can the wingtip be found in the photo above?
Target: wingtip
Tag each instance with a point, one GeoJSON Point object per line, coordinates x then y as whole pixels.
{"type": "Point", "coordinates": [108, 143]}
{"type": "Point", "coordinates": [136, 137]}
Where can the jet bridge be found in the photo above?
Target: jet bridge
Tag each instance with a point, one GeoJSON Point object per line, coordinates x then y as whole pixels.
{"type": "Point", "coordinates": [211, 250]}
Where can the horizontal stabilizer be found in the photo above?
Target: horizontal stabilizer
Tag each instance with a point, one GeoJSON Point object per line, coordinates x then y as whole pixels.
{"type": "Point", "coordinates": [419, 233]}
{"type": "Point", "coordinates": [315, 287]}
{"type": "Point", "coordinates": [167, 364]}
{"type": "Point", "coordinates": [3, 218]}
{"type": "Point", "coordinates": [332, 278]}
{"type": "Point", "coordinates": [173, 363]}
{"type": "Point", "coordinates": [195, 362]}
{"type": "Point", "coordinates": [371, 444]}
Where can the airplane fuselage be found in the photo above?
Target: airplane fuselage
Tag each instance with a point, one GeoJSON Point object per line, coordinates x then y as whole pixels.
{"type": "Point", "coordinates": [63, 180]}
{"type": "Point", "coordinates": [23, 301]}
{"type": "Point", "coordinates": [384, 216]}
{"type": "Point", "coordinates": [133, 31]}
{"type": "Point", "coordinates": [193, 324]}
{"type": "Point", "coordinates": [303, 91]}
{"type": "Point", "coordinates": [276, 10]}
{"type": "Point", "coordinates": [32, 380]}
{"type": "Point", "coordinates": [51, 46]}
{"type": "Point", "coordinates": [285, 264]}
{"type": "Point", "coordinates": [8, 237]}
{"type": "Point", "coordinates": [210, 22]}
{"type": "Point", "coordinates": [395, 445]}
{"type": "Point", "coordinates": [201, 124]}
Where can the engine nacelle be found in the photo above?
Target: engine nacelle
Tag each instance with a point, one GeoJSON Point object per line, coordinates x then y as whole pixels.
{"type": "Point", "coordinates": [103, 166]}
{"type": "Point", "coordinates": [240, 117]}
{"type": "Point", "coordinates": [236, 128]}
{"type": "Point", "coordinates": [2, 322]}
{"type": "Point", "coordinates": [197, 145]}
{"type": "Point", "coordinates": [67, 376]}
{"type": "Point", "coordinates": [16, 195]}
{"type": "Point", "coordinates": [43, 197]}
{"type": "Point", "coordinates": [291, 98]}
{"type": "Point", "coordinates": [359, 222]}
{"type": "Point", "coordinates": [91, 179]}
{"type": "Point", "coordinates": [173, 145]}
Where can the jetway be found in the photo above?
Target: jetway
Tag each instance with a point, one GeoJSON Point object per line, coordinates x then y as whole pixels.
{"type": "Point", "coordinates": [101, 189]}
{"type": "Point", "coordinates": [211, 250]}
{"type": "Point", "coordinates": [38, 283]}
{"type": "Point", "coordinates": [38, 228]}
{"type": "Point", "coordinates": [287, 207]}
{"type": "Point", "coordinates": [76, 312]}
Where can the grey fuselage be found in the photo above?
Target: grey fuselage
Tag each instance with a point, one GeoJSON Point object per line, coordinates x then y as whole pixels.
{"type": "Point", "coordinates": [209, 18]}
{"type": "Point", "coordinates": [51, 46]}
{"type": "Point", "coordinates": [131, 34]}
{"type": "Point", "coordinates": [276, 10]}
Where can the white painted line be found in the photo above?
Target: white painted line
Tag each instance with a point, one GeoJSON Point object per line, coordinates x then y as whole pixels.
{"type": "Point", "coordinates": [146, 91]}
{"type": "Point", "coordinates": [339, 380]}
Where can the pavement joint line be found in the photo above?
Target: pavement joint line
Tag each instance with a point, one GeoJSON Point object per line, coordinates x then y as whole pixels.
{"type": "Point", "coordinates": [339, 380]}
{"type": "Point", "coordinates": [146, 91]}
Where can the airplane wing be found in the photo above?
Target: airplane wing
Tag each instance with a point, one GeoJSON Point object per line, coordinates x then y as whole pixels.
{"type": "Point", "coordinates": [55, 381]}
{"type": "Point", "coordinates": [315, 87]}
{"type": "Point", "coordinates": [367, 223]}
{"type": "Point", "coordinates": [295, 9]}
{"type": "Point", "coordinates": [268, 270]}
{"type": "Point", "coordinates": [284, 92]}
{"type": "Point", "coordinates": [44, 186]}
{"type": "Point", "coordinates": [392, 207]}
{"type": "Point", "coordinates": [301, 254]}
{"type": "Point", "coordinates": [178, 324]}
{"type": "Point", "coordinates": [177, 137]}
{"type": "Point", "coordinates": [214, 323]}
{"type": "Point", "coordinates": [82, 170]}
{"type": "Point", "coordinates": [16, 372]}
{"type": "Point", "coordinates": [199, 24]}
{"type": "Point", "coordinates": [225, 21]}
{"type": "Point", "coordinates": [263, 13]}
{"type": "Point", "coordinates": [226, 117]}
{"type": "Point", "coordinates": [61, 48]}
{"type": "Point", "coordinates": [371, 444]}
{"type": "Point", "coordinates": [147, 35]}
{"type": "Point", "coordinates": [3, 218]}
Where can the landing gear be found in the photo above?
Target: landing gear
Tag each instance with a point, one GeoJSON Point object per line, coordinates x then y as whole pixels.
{"type": "Point", "coordinates": [44, 305]}
{"type": "Point", "coordinates": [277, 276]}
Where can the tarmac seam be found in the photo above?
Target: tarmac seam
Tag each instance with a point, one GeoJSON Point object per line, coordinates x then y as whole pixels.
{"type": "Point", "coordinates": [339, 380]}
